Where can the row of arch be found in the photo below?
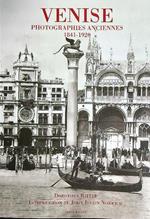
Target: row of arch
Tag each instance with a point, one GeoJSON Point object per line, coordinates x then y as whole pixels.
{"type": "Point", "coordinates": [138, 114]}
{"type": "Point", "coordinates": [110, 118]}
{"type": "Point", "coordinates": [118, 75]}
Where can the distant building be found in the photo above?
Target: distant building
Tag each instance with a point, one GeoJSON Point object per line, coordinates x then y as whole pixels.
{"type": "Point", "coordinates": [32, 109]}
{"type": "Point", "coordinates": [115, 104]}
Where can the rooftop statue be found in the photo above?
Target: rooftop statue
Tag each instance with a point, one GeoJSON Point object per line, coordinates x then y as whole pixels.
{"type": "Point", "coordinates": [75, 45]}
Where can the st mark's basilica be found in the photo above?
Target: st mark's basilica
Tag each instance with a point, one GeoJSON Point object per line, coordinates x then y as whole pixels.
{"type": "Point", "coordinates": [115, 104]}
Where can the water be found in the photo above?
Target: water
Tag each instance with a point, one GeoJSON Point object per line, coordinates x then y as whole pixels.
{"type": "Point", "coordinates": [29, 194]}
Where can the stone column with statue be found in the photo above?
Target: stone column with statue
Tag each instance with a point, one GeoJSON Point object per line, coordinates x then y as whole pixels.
{"type": "Point", "coordinates": [73, 54]}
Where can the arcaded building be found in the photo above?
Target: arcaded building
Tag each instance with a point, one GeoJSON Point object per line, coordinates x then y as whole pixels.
{"type": "Point", "coordinates": [32, 109]}
{"type": "Point", "coordinates": [115, 104]}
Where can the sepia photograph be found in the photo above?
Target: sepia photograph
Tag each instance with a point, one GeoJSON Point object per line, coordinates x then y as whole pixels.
{"type": "Point", "coordinates": [75, 109]}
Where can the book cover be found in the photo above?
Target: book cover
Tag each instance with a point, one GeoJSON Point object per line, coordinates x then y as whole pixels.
{"type": "Point", "coordinates": [75, 109]}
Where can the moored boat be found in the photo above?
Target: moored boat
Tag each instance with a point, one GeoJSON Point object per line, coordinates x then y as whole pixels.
{"type": "Point", "coordinates": [127, 172]}
{"type": "Point", "coordinates": [86, 183]}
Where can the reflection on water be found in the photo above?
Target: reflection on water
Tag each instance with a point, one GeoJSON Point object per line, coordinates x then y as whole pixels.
{"type": "Point", "coordinates": [29, 194]}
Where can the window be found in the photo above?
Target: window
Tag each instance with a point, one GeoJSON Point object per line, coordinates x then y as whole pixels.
{"type": "Point", "coordinates": [59, 90]}
{"type": "Point", "coordinates": [53, 89]}
{"type": "Point", "coordinates": [57, 107]}
{"type": "Point", "coordinates": [122, 91]}
{"type": "Point", "coordinates": [10, 88]}
{"type": "Point", "coordinates": [58, 96]}
{"type": "Point", "coordinates": [9, 107]}
{"type": "Point", "coordinates": [144, 130]}
{"type": "Point", "coordinates": [59, 118]}
{"type": "Point", "coordinates": [110, 91]}
{"type": "Point", "coordinates": [144, 91]}
{"type": "Point", "coordinates": [43, 107]}
{"type": "Point", "coordinates": [55, 119]}
{"type": "Point", "coordinates": [46, 107]}
{"type": "Point", "coordinates": [8, 131]}
{"type": "Point", "coordinates": [43, 118]}
{"type": "Point", "coordinates": [5, 88]}
{"type": "Point", "coordinates": [148, 91]}
{"type": "Point", "coordinates": [138, 91]}
{"type": "Point", "coordinates": [105, 91]}
{"type": "Point", "coordinates": [57, 131]}
{"type": "Point", "coordinates": [116, 91]}
{"type": "Point", "coordinates": [54, 131]}
{"type": "Point", "coordinates": [99, 90]}
{"type": "Point", "coordinates": [26, 93]}
{"type": "Point", "coordinates": [42, 131]}
{"type": "Point", "coordinates": [44, 89]}
{"type": "Point", "coordinates": [40, 119]}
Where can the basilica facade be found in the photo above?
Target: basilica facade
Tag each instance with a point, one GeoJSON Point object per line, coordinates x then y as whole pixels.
{"type": "Point", "coordinates": [32, 109]}
{"type": "Point", "coordinates": [115, 104]}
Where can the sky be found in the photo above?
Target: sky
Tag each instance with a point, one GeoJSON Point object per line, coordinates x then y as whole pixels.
{"type": "Point", "coordinates": [17, 16]}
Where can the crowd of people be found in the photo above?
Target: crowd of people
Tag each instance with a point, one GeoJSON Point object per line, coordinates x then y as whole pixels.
{"type": "Point", "coordinates": [25, 162]}
{"type": "Point", "coordinates": [141, 153]}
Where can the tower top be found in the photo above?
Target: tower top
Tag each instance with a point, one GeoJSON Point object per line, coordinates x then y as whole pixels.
{"type": "Point", "coordinates": [25, 59]}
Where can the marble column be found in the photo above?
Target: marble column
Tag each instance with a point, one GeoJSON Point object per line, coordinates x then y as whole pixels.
{"type": "Point", "coordinates": [72, 105]}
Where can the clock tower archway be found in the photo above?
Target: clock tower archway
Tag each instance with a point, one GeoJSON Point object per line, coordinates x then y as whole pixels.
{"type": "Point", "coordinates": [25, 138]}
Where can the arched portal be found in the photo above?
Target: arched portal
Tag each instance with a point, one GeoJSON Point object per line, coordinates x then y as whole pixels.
{"type": "Point", "coordinates": [25, 138]}
{"type": "Point", "coordinates": [110, 128]}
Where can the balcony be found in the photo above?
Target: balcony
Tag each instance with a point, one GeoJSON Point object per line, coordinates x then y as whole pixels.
{"type": "Point", "coordinates": [116, 100]}
{"type": "Point", "coordinates": [112, 99]}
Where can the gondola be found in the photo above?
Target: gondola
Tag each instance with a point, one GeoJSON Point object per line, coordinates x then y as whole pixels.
{"type": "Point", "coordinates": [127, 172]}
{"type": "Point", "coordinates": [85, 183]}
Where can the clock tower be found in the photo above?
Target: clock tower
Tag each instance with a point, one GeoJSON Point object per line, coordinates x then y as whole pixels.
{"type": "Point", "coordinates": [26, 73]}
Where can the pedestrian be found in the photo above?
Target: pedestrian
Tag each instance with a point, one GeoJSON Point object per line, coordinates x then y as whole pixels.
{"type": "Point", "coordinates": [76, 165]}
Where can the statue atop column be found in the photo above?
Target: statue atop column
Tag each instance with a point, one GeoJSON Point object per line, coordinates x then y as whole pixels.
{"type": "Point", "coordinates": [75, 45]}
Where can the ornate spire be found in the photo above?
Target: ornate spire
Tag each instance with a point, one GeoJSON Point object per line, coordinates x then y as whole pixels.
{"type": "Point", "coordinates": [146, 54]}
{"type": "Point", "coordinates": [111, 54]}
{"type": "Point", "coordinates": [95, 47]}
{"type": "Point", "coordinates": [130, 54]}
{"type": "Point", "coordinates": [130, 44]}
{"type": "Point", "coordinates": [89, 43]}
{"type": "Point", "coordinates": [100, 54]}
{"type": "Point", "coordinates": [26, 53]}
{"type": "Point", "coordinates": [26, 50]}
